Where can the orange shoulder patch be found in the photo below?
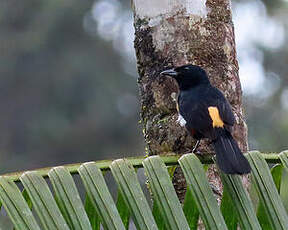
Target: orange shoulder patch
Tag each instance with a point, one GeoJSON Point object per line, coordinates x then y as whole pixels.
{"type": "Point", "coordinates": [216, 119]}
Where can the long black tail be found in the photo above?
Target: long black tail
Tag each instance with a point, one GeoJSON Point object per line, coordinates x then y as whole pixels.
{"type": "Point", "coordinates": [228, 155]}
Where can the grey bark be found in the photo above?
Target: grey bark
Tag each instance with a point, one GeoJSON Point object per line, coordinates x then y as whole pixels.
{"type": "Point", "coordinates": [173, 33]}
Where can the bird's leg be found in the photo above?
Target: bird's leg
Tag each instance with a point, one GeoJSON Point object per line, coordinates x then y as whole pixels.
{"type": "Point", "coordinates": [196, 146]}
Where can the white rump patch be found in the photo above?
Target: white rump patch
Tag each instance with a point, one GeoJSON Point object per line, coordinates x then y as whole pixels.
{"type": "Point", "coordinates": [181, 120]}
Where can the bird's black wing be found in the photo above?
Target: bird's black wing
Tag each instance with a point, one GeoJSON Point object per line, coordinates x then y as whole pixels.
{"type": "Point", "coordinates": [225, 111]}
{"type": "Point", "coordinates": [193, 106]}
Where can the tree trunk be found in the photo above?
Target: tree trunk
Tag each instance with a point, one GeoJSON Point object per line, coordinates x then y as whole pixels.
{"type": "Point", "coordinates": [173, 33]}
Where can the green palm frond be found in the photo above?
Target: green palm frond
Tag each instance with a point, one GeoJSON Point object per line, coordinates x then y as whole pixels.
{"type": "Point", "coordinates": [59, 206]}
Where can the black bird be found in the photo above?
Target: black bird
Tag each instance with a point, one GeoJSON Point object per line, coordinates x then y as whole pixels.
{"type": "Point", "coordinates": [206, 113]}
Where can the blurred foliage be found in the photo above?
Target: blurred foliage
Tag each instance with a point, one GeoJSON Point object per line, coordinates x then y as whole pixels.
{"type": "Point", "coordinates": [65, 97]}
{"type": "Point", "coordinates": [60, 89]}
{"type": "Point", "coordinates": [267, 118]}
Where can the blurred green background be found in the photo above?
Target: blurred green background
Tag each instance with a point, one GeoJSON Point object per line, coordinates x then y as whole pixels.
{"type": "Point", "coordinates": [68, 80]}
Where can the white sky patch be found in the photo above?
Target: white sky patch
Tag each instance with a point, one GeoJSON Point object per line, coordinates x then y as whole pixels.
{"type": "Point", "coordinates": [254, 27]}
{"type": "Point", "coordinates": [251, 73]}
{"type": "Point", "coordinates": [255, 81]}
{"type": "Point", "coordinates": [127, 104]}
{"type": "Point", "coordinates": [112, 23]}
{"type": "Point", "coordinates": [106, 14]}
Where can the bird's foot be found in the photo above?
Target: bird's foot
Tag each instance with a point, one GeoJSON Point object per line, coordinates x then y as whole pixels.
{"type": "Point", "coordinates": [195, 147]}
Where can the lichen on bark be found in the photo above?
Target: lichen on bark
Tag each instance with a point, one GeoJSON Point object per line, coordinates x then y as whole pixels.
{"type": "Point", "coordinates": [181, 35]}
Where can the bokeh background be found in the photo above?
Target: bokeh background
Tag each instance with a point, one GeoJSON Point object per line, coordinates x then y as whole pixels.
{"type": "Point", "coordinates": [68, 80]}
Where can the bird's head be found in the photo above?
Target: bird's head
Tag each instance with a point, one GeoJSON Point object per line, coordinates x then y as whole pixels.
{"type": "Point", "coordinates": [187, 76]}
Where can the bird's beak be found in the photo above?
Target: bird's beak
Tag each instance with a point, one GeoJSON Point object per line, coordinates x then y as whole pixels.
{"type": "Point", "coordinates": [169, 72]}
